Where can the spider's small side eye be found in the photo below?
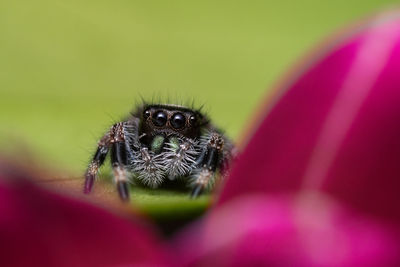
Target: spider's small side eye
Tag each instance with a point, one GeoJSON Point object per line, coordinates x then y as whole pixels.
{"type": "Point", "coordinates": [178, 120]}
{"type": "Point", "coordinates": [192, 119]}
{"type": "Point", "coordinates": [146, 114]}
{"type": "Point", "coordinates": [159, 118]}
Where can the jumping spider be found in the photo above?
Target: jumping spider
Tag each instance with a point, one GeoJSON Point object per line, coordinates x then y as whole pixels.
{"type": "Point", "coordinates": [160, 141]}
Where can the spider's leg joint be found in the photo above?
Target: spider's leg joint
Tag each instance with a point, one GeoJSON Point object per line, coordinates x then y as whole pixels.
{"type": "Point", "coordinates": [209, 161]}
{"type": "Point", "coordinates": [97, 161]}
{"type": "Point", "coordinates": [119, 161]}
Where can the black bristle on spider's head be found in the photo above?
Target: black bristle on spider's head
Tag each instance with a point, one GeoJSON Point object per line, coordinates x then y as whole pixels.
{"type": "Point", "coordinates": [191, 103]}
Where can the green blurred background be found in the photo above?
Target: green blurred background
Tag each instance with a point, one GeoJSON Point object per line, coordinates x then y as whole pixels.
{"type": "Point", "coordinates": [69, 69]}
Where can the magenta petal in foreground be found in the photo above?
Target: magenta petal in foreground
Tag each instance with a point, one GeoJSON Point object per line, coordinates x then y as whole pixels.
{"type": "Point", "coordinates": [336, 128]}
{"type": "Point", "coordinates": [284, 231]}
{"type": "Point", "coordinates": [38, 228]}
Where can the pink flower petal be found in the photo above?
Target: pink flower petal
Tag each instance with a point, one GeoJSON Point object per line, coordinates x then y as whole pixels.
{"type": "Point", "coordinates": [273, 231]}
{"type": "Point", "coordinates": [335, 129]}
{"type": "Point", "coordinates": [38, 228]}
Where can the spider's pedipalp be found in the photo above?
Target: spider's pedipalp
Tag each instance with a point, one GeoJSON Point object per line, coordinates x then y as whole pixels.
{"type": "Point", "coordinates": [179, 158]}
{"type": "Point", "coordinates": [149, 167]}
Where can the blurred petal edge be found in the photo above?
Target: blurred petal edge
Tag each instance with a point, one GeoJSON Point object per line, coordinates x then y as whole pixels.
{"type": "Point", "coordinates": [311, 230]}
{"type": "Point", "coordinates": [40, 228]}
{"type": "Point", "coordinates": [336, 128]}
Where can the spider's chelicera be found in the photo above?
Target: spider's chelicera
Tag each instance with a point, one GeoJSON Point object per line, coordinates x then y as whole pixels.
{"type": "Point", "coordinates": [159, 142]}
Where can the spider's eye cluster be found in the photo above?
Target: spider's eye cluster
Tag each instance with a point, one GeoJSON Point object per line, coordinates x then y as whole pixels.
{"type": "Point", "coordinates": [160, 118]}
{"type": "Point", "coordinates": [178, 120]}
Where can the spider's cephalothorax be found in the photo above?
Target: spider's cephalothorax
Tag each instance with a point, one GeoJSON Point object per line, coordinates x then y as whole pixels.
{"type": "Point", "coordinates": [160, 141]}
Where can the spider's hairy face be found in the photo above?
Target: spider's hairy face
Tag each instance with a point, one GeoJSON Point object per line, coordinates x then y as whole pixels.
{"type": "Point", "coordinates": [171, 120]}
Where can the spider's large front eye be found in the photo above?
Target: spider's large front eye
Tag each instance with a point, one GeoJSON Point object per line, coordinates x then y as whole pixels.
{"type": "Point", "coordinates": [178, 120]}
{"type": "Point", "coordinates": [159, 118]}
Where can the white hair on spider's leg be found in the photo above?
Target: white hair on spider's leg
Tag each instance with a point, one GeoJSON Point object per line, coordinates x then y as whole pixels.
{"type": "Point", "coordinates": [131, 134]}
{"type": "Point", "coordinates": [204, 177]}
{"type": "Point", "coordinates": [131, 140]}
{"type": "Point", "coordinates": [205, 138]}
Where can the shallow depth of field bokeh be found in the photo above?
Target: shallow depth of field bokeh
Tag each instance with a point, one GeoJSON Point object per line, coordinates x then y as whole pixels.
{"type": "Point", "coordinates": [69, 69]}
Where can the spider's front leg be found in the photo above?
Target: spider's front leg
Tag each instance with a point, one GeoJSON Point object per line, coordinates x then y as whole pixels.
{"type": "Point", "coordinates": [208, 161]}
{"type": "Point", "coordinates": [97, 161]}
{"type": "Point", "coordinates": [115, 140]}
{"type": "Point", "coordinates": [118, 163]}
